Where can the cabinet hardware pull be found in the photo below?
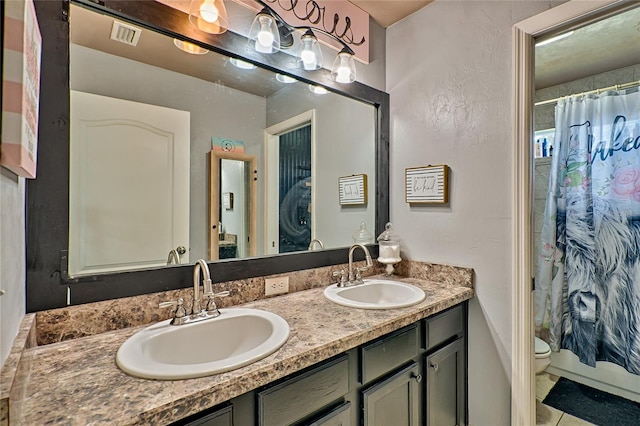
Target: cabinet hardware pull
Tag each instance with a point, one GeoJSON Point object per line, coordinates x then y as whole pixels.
{"type": "Point", "coordinates": [434, 366]}
{"type": "Point", "coordinates": [417, 377]}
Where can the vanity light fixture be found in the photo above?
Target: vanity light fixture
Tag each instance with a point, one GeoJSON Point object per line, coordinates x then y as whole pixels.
{"type": "Point", "coordinates": [318, 90]}
{"type": "Point", "coordinates": [269, 33]}
{"type": "Point", "coordinates": [194, 49]}
{"type": "Point", "coordinates": [310, 53]}
{"type": "Point", "coordinates": [268, 27]}
{"type": "Point", "coordinates": [344, 68]}
{"type": "Point", "coordinates": [242, 64]}
{"type": "Point", "coordinates": [264, 36]}
{"type": "Point", "coordinates": [209, 16]}
{"type": "Point", "coordinates": [285, 79]}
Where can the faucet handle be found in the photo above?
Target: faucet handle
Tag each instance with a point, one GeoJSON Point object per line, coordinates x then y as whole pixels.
{"type": "Point", "coordinates": [343, 277]}
{"type": "Point", "coordinates": [359, 270]}
{"type": "Point", "coordinates": [212, 308]}
{"type": "Point", "coordinates": [180, 316]}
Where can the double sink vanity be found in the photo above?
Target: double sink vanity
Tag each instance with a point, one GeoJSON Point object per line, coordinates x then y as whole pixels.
{"type": "Point", "coordinates": [327, 363]}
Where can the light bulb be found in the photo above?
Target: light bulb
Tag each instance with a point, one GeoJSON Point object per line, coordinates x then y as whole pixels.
{"type": "Point", "coordinates": [343, 74]}
{"type": "Point", "coordinates": [208, 11]}
{"type": "Point", "coordinates": [265, 37]}
{"type": "Point", "coordinates": [307, 55]}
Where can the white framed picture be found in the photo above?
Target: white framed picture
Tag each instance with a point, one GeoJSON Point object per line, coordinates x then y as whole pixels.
{"type": "Point", "coordinates": [427, 185]}
{"type": "Point", "coordinates": [352, 190]}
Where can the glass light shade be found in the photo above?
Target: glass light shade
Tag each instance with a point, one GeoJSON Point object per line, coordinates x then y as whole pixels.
{"type": "Point", "coordinates": [239, 63]}
{"type": "Point", "coordinates": [318, 90]}
{"type": "Point", "coordinates": [209, 16]}
{"type": "Point", "coordinates": [310, 57]}
{"type": "Point", "coordinates": [285, 79]}
{"type": "Point", "coordinates": [194, 49]}
{"type": "Point", "coordinates": [263, 35]}
{"type": "Point", "coordinates": [344, 68]}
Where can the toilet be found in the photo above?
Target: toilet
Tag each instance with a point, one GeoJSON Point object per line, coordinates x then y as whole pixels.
{"type": "Point", "coordinates": [543, 355]}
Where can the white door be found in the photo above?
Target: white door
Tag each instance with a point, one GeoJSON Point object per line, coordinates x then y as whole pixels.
{"type": "Point", "coordinates": [129, 191]}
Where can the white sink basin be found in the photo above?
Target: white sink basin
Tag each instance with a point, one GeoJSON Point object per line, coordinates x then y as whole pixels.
{"type": "Point", "coordinates": [236, 338]}
{"type": "Point", "coordinates": [375, 294]}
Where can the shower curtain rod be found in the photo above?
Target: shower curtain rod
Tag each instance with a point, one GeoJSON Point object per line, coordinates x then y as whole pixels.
{"type": "Point", "coordinates": [604, 89]}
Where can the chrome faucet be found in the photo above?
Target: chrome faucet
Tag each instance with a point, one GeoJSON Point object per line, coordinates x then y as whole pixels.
{"type": "Point", "coordinates": [174, 255]}
{"type": "Point", "coordinates": [201, 266]}
{"type": "Point", "coordinates": [198, 313]}
{"type": "Point", "coordinates": [173, 258]}
{"type": "Point", "coordinates": [355, 277]}
{"type": "Point", "coordinates": [314, 242]}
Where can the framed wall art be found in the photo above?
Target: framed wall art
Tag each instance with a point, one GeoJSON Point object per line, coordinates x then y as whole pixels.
{"type": "Point", "coordinates": [427, 185]}
{"type": "Point", "coordinates": [352, 190]}
{"type": "Point", "coordinates": [20, 88]}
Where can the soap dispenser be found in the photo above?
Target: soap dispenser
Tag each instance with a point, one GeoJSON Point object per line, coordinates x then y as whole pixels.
{"type": "Point", "coordinates": [362, 235]}
{"type": "Point", "coordinates": [389, 248]}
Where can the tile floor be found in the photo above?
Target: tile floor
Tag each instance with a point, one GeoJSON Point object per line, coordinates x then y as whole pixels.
{"type": "Point", "coordinates": [549, 416]}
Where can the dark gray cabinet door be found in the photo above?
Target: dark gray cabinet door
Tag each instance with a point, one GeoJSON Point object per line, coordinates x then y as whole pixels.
{"type": "Point", "coordinates": [445, 398]}
{"type": "Point", "coordinates": [394, 401]}
{"type": "Point", "coordinates": [301, 396]}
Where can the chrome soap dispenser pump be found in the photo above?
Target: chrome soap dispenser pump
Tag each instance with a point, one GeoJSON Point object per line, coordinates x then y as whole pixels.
{"type": "Point", "coordinates": [389, 248]}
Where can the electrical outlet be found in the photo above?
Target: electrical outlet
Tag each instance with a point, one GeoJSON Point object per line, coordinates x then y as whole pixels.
{"type": "Point", "coordinates": [277, 285]}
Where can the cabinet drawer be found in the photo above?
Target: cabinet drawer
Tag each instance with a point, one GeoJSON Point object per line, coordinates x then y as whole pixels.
{"type": "Point", "coordinates": [300, 396]}
{"type": "Point", "coordinates": [444, 326]}
{"type": "Point", "coordinates": [384, 355]}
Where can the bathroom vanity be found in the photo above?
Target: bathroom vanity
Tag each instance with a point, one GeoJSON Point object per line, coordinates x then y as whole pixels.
{"type": "Point", "coordinates": [340, 365]}
{"type": "Point", "coordinates": [411, 374]}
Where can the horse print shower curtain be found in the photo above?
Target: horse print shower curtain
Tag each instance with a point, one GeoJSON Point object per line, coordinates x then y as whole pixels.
{"type": "Point", "coordinates": [588, 270]}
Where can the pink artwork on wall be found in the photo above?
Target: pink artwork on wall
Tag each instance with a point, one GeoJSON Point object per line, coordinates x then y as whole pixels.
{"type": "Point", "coordinates": [20, 88]}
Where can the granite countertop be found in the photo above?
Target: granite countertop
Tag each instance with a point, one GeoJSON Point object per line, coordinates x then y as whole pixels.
{"type": "Point", "coordinates": [77, 381]}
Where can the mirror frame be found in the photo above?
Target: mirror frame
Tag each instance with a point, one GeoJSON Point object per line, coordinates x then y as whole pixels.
{"type": "Point", "coordinates": [48, 285]}
{"type": "Point", "coordinates": [215, 168]}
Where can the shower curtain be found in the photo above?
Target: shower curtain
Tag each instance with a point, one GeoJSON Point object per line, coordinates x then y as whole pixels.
{"type": "Point", "coordinates": [588, 271]}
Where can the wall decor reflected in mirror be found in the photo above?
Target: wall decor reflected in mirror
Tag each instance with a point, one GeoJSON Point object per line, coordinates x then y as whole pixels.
{"type": "Point", "coordinates": [145, 121]}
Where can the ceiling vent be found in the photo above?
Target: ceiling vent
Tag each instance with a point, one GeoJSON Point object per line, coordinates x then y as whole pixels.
{"type": "Point", "coordinates": [125, 33]}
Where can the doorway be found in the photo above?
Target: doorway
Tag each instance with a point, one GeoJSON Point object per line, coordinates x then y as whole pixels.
{"type": "Point", "coordinates": [290, 192]}
{"type": "Point", "coordinates": [294, 195]}
{"type": "Point", "coordinates": [560, 18]}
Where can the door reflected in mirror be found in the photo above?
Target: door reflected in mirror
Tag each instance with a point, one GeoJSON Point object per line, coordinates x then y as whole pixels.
{"type": "Point", "coordinates": [233, 203]}
{"type": "Point", "coordinates": [251, 108]}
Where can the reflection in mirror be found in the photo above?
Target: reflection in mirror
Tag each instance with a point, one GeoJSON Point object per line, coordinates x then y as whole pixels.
{"type": "Point", "coordinates": [226, 108]}
{"type": "Point", "coordinates": [232, 205]}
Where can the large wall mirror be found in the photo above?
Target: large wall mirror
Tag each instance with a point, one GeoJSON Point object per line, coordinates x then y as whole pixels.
{"type": "Point", "coordinates": [152, 157]}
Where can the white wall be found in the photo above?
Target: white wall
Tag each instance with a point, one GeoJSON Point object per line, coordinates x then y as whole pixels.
{"type": "Point", "coordinates": [449, 77]}
{"type": "Point", "coordinates": [12, 258]}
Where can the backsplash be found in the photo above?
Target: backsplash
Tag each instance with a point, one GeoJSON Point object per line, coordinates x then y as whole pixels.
{"type": "Point", "coordinates": [72, 322]}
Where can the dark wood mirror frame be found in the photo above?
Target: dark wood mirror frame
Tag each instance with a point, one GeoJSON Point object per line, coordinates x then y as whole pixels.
{"type": "Point", "coordinates": [47, 199]}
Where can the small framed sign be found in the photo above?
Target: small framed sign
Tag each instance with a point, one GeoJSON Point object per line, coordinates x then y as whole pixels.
{"type": "Point", "coordinates": [227, 200]}
{"type": "Point", "coordinates": [352, 190]}
{"type": "Point", "coordinates": [427, 185]}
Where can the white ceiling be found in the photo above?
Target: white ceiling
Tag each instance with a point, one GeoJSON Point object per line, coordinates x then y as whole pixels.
{"type": "Point", "coordinates": [603, 46]}
{"type": "Point", "coordinates": [388, 12]}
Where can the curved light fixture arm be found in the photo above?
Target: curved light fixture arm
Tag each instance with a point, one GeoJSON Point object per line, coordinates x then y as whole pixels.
{"type": "Point", "coordinates": [292, 28]}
